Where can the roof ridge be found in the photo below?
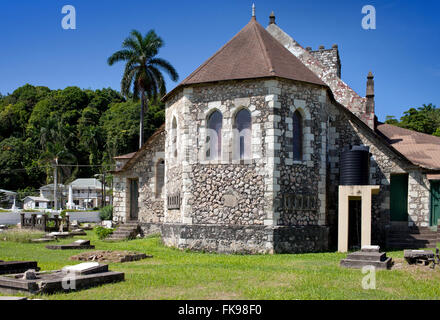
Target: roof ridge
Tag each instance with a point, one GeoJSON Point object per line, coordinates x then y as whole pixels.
{"type": "Point", "coordinates": [263, 48]}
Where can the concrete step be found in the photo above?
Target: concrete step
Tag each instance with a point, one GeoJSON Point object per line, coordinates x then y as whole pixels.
{"type": "Point", "coordinates": [350, 263]}
{"type": "Point", "coordinates": [423, 233]}
{"type": "Point", "coordinates": [124, 231]}
{"type": "Point", "coordinates": [415, 236]}
{"type": "Point", "coordinates": [409, 245]}
{"type": "Point", "coordinates": [367, 256]}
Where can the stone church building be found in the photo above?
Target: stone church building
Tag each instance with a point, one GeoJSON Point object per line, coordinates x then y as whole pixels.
{"type": "Point", "coordinates": [248, 158]}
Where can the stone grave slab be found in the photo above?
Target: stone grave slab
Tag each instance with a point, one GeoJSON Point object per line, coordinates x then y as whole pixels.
{"type": "Point", "coordinates": [4, 298]}
{"type": "Point", "coordinates": [368, 256]}
{"type": "Point", "coordinates": [110, 256]}
{"type": "Point", "coordinates": [42, 240]}
{"type": "Point", "coordinates": [78, 232]}
{"type": "Point", "coordinates": [9, 267]}
{"type": "Point", "coordinates": [418, 256]}
{"type": "Point", "coordinates": [70, 278]}
{"type": "Point", "coordinates": [86, 268]}
{"type": "Point", "coordinates": [78, 244]}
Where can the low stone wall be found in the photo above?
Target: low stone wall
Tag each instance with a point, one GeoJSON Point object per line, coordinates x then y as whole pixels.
{"type": "Point", "coordinates": [300, 239]}
{"type": "Point", "coordinates": [150, 228]}
{"type": "Point", "coordinates": [218, 238]}
{"type": "Point", "coordinates": [246, 239]}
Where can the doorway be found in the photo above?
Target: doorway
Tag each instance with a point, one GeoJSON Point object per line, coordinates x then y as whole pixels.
{"type": "Point", "coordinates": [134, 196]}
{"type": "Point", "coordinates": [354, 224]}
{"type": "Point", "coordinates": [435, 203]}
{"type": "Point", "coordinates": [399, 197]}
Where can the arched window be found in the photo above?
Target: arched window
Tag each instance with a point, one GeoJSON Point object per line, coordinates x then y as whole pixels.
{"type": "Point", "coordinates": [174, 137]}
{"type": "Point", "coordinates": [243, 134]}
{"type": "Point", "coordinates": [214, 136]}
{"type": "Point", "coordinates": [297, 136]}
{"type": "Point", "coordinates": [160, 177]}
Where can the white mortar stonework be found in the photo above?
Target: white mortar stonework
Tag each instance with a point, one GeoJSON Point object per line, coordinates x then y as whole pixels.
{"type": "Point", "coordinates": [231, 205]}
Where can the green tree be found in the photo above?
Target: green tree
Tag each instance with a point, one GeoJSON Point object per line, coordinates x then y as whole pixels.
{"type": "Point", "coordinates": [55, 139]}
{"type": "Point", "coordinates": [120, 125]}
{"type": "Point", "coordinates": [423, 119]}
{"type": "Point", "coordinates": [143, 70]}
{"type": "Point", "coordinates": [391, 120]}
{"type": "Point", "coordinates": [16, 157]}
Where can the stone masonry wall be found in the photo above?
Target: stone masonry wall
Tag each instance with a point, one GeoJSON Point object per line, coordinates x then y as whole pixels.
{"type": "Point", "coordinates": [329, 58]}
{"type": "Point", "coordinates": [418, 199]}
{"type": "Point", "coordinates": [344, 133]}
{"type": "Point", "coordinates": [150, 205]}
{"type": "Point", "coordinates": [119, 198]}
{"type": "Point", "coordinates": [226, 191]}
{"type": "Point", "coordinates": [174, 153]}
{"type": "Point", "coordinates": [306, 177]}
{"type": "Point", "coordinates": [245, 238]}
{"type": "Point", "coordinates": [231, 205]}
{"type": "Point", "coordinates": [341, 91]}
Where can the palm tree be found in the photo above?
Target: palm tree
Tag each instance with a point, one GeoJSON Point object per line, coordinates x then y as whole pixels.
{"type": "Point", "coordinates": [143, 70]}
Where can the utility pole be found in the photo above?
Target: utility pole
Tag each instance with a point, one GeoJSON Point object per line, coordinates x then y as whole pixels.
{"type": "Point", "coordinates": [103, 180]}
{"type": "Point", "coordinates": [55, 184]}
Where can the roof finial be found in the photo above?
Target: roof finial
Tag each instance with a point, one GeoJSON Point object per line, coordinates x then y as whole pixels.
{"type": "Point", "coordinates": [272, 18]}
{"type": "Point", "coordinates": [253, 10]}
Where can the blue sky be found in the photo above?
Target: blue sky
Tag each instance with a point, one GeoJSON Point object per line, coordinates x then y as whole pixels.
{"type": "Point", "coordinates": [402, 52]}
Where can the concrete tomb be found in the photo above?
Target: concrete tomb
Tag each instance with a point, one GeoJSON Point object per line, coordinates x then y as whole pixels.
{"type": "Point", "coordinates": [78, 244]}
{"type": "Point", "coordinates": [8, 267]}
{"type": "Point", "coordinates": [69, 278]}
{"type": "Point", "coordinates": [423, 257]}
{"type": "Point", "coordinates": [368, 256]}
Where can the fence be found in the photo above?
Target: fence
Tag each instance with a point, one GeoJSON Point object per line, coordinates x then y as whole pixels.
{"type": "Point", "coordinates": [44, 222]}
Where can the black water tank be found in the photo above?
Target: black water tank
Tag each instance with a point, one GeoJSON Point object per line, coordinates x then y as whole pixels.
{"type": "Point", "coordinates": [354, 166]}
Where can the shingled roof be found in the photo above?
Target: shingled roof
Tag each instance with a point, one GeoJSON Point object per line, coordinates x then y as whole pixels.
{"type": "Point", "coordinates": [252, 53]}
{"type": "Point", "coordinates": [420, 148]}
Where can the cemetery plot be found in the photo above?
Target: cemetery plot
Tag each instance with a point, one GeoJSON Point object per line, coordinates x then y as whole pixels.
{"type": "Point", "coordinates": [81, 276]}
{"type": "Point", "coordinates": [8, 267]}
{"type": "Point", "coordinates": [110, 256]}
{"type": "Point", "coordinates": [78, 244]}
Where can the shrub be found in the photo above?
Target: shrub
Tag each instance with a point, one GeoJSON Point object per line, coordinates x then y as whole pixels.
{"type": "Point", "coordinates": [20, 235]}
{"type": "Point", "coordinates": [102, 232]}
{"type": "Point", "coordinates": [106, 213]}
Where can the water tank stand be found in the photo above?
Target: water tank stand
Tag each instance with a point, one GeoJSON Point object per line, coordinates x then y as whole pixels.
{"type": "Point", "coordinates": [347, 193]}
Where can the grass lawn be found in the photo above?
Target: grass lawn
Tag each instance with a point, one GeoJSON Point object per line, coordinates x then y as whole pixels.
{"type": "Point", "coordinates": [175, 274]}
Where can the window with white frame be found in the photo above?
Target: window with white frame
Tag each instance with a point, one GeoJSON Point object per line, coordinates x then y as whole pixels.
{"type": "Point", "coordinates": [214, 136]}
{"type": "Point", "coordinates": [242, 135]}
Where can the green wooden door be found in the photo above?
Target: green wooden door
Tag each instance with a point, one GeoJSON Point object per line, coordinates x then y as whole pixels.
{"type": "Point", "coordinates": [399, 197]}
{"type": "Point", "coordinates": [435, 202]}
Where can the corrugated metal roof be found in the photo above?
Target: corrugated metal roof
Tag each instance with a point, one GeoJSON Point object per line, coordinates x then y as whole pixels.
{"type": "Point", "coordinates": [9, 193]}
{"type": "Point", "coordinates": [84, 183]}
{"type": "Point", "coordinates": [420, 148]}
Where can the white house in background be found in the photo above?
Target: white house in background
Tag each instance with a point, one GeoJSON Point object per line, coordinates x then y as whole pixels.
{"type": "Point", "coordinates": [10, 198]}
{"type": "Point", "coordinates": [31, 203]}
{"type": "Point", "coordinates": [85, 192]}
{"type": "Point", "coordinates": [47, 192]}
